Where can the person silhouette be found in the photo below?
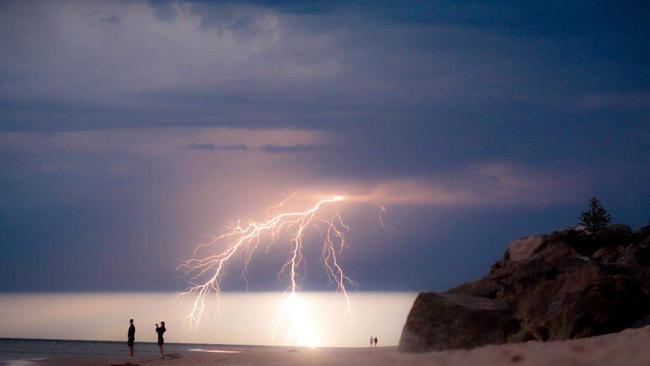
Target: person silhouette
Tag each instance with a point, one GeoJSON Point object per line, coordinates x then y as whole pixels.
{"type": "Point", "coordinates": [131, 337]}
{"type": "Point", "coordinates": [161, 341]}
{"type": "Point", "coordinates": [375, 340]}
{"type": "Point", "coordinates": [371, 340]}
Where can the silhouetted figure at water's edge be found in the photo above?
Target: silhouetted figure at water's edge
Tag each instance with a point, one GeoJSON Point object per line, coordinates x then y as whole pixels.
{"type": "Point", "coordinates": [131, 337]}
{"type": "Point", "coordinates": [161, 341]}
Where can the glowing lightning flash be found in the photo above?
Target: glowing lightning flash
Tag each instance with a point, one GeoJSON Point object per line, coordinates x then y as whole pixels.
{"type": "Point", "coordinates": [244, 238]}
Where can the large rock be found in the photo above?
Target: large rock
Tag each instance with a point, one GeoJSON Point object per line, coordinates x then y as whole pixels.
{"type": "Point", "coordinates": [569, 284]}
{"type": "Point", "coordinates": [523, 248]}
{"type": "Point", "coordinates": [441, 321]}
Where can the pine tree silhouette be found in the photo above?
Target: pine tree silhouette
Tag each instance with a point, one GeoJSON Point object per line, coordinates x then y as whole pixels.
{"type": "Point", "coordinates": [595, 217]}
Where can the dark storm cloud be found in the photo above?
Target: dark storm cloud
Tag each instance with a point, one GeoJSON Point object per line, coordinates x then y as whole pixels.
{"type": "Point", "coordinates": [213, 147]}
{"type": "Point", "coordinates": [164, 10]}
{"type": "Point", "coordinates": [268, 148]}
{"type": "Point", "coordinates": [110, 19]}
{"type": "Point", "coordinates": [290, 149]}
{"type": "Point", "coordinates": [509, 115]}
{"type": "Point", "coordinates": [630, 101]}
{"type": "Point", "coordinates": [433, 76]}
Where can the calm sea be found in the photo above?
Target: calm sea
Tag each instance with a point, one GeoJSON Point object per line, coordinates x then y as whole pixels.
{"type": "Point", "coordinates": [312, 319]}
{"type": "Point", "coordinates": [19, 352]}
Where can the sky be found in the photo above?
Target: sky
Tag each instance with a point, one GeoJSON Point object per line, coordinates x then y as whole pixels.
{"type": "Point", "coordinates": [132, 130]}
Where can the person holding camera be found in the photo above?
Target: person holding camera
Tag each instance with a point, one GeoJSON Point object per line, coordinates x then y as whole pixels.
{"type": "Point", "coordinates": [161, 341]}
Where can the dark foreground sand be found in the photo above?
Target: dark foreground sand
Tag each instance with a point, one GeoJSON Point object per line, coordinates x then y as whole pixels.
{"type": "Point", "coordinates": [630, 347]}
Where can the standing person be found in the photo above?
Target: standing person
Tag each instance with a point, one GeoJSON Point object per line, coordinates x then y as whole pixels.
{"type": "Point", "coordinates": [161, 330]}
{"type": "Point", "coordinates": [371, 340]}
{"type": "Point", "coordinates": [375, 341]}
{"type": "Point", "coordinates": [131, 337]}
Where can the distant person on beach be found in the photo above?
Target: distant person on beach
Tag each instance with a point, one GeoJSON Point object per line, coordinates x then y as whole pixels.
{"type": "Point", "coordinates": [371, 340]}
{"type": "Point", "coordinates": [375, 340]}
{"type": "Point", "coordinates": [131, 337]}
{"type": "Point", "coordinates": [161, 330]}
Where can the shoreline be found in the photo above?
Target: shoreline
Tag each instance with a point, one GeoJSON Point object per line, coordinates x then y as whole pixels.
{"type": "Point", "coordinates": [177, 344]}
{"type": "Point", "coordinates": [627, 348]}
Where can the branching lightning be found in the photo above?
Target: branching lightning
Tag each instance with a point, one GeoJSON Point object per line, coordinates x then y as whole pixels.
{"type": "Point", "coordinates": [243, 238]}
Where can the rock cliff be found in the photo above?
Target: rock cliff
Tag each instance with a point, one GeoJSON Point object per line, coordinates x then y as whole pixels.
{"type": "Point", "coordinates": [570, 284]}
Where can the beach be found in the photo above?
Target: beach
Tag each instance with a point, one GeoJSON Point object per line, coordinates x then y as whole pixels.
{"type": "Point", "coordinates": [627, 348]}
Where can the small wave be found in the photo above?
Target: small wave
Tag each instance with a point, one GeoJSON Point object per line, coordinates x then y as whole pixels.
{"type": "Point", "coordinates": [24, 362]}
{"type": "Point", "coordinates": [211, 350]}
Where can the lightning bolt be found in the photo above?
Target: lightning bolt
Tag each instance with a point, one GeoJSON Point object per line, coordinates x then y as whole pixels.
{"type": "Point", "coordinates": [245, 237]}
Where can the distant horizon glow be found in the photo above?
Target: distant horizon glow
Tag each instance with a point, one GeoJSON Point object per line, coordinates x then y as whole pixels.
{"type": "Point", "coordinates": [245, 318]}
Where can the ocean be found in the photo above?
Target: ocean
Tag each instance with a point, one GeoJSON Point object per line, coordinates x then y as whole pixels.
{"type": "Point", "coordinates": [40, 324]}
{"type": "Point", "coordinates": [15, 352]}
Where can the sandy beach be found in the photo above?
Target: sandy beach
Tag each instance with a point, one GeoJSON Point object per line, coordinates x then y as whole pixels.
{"type": "Point", "coordinates": [621, 349]}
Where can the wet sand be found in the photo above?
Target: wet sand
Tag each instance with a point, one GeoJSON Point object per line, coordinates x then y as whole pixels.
{"type": "Point", "coordinates": [630, 347]}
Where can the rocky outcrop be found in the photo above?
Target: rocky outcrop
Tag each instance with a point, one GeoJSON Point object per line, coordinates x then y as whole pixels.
{"type": "Point", "coordinates": [569, 284]}
{"type": "Point", "coordinates": [442, 321]}
{"type": "Point", "coordinates": [523, 248]}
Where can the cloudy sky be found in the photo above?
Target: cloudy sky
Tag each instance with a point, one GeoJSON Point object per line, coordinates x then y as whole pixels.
{"type": "Point", "coordinates": [131, 130]}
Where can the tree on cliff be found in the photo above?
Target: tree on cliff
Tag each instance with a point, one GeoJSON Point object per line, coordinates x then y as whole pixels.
{"type": "Point", "coordinates": [595, 217]}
